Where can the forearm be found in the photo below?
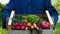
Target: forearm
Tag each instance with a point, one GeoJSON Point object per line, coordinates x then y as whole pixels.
{"type": "Point", "coordinates": [7, 10]}
{"type": "Point", "coordinates": [5, 14]}
{"type": "Point", "coordinates": [55, 18]}
{"type": "Point", "coordinates": [52, 11]}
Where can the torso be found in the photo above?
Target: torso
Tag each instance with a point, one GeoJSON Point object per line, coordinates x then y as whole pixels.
{"type": "Point", "coordinates": [29, 7]}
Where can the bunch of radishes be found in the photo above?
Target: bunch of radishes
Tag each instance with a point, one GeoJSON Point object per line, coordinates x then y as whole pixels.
{"type": "Point", "coordinates": [29, 22]}
{"type": "Point", "coordinates": [25, 25]}
{"type": "Point", "coordinates": [18, 26]}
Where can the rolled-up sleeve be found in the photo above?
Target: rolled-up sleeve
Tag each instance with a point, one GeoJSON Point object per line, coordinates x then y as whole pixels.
{"type": "Point", "coordinates": [52, 11]}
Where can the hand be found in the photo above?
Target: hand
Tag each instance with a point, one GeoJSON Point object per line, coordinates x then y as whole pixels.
{"type": "Point", "coordinates": [52, 19]}
{"type": "Point", "coordinates": [8, 19]}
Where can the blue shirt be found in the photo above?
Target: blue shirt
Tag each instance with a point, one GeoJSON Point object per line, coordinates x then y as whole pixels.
{"type": "Point", "coordinates": [29, 7]}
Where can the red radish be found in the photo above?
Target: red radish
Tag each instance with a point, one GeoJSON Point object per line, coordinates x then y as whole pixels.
{"type": "Point", "coordinates": [26, 28]}
{"type": "Point", "coordinates": [21, 24]}
{"type": "Point", "coordinates": [25, 22]}
{"type": "Point", "coordinates": [45, 25]}
{"type": "Point", "coordinates": [23, 27]}
{"type": "Point", "coordinates": [32, 27]}
{"type": "Point", "coordinates": [13, 27]}
{"type": "Point", "coordinates": [18, 28]}
{"type": "Point", "coordinates": [36, 26]}
{"type": "Point", "coordinates": [29, 24]}
{"type": "Point", "coordinates": [16, 24]}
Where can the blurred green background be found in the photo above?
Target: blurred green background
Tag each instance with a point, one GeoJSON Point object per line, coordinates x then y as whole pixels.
{"type": "Point", "coordinates": [55, 3]}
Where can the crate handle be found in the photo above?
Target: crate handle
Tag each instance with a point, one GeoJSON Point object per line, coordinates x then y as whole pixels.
{"type": "Point", "coordinates": [10, 18]}
{"type": "Point", "coordinates": [49, 17]}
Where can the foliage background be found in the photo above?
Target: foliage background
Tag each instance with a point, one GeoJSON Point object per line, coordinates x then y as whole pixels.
{"type": "Point", "coordinates": [55, 3]}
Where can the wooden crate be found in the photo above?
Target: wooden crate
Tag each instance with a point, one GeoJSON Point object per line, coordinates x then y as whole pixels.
{"type": "Point", "coordinates": [19, 32]}
{"type": "Point", "coordinates": [44, 31]}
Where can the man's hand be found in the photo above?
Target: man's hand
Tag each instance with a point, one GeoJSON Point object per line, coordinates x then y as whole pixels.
{"type": "Point", "coordinates": [52, 19]}
{"type": "Point", "coordinates": [7, 20]}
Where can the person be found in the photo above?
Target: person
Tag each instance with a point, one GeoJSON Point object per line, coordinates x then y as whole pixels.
{"type": "Point", "coordinates": [29, 7]}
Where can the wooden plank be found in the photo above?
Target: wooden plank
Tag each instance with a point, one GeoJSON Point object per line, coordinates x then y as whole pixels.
{"type": "Point", "coordinates": [18, 32]}
{"type": "Point", "coordinates": [44, 31]}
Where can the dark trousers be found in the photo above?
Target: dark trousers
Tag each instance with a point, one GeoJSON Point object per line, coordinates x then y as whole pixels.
{"type": "Point", "coordinates": [4, 24]}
